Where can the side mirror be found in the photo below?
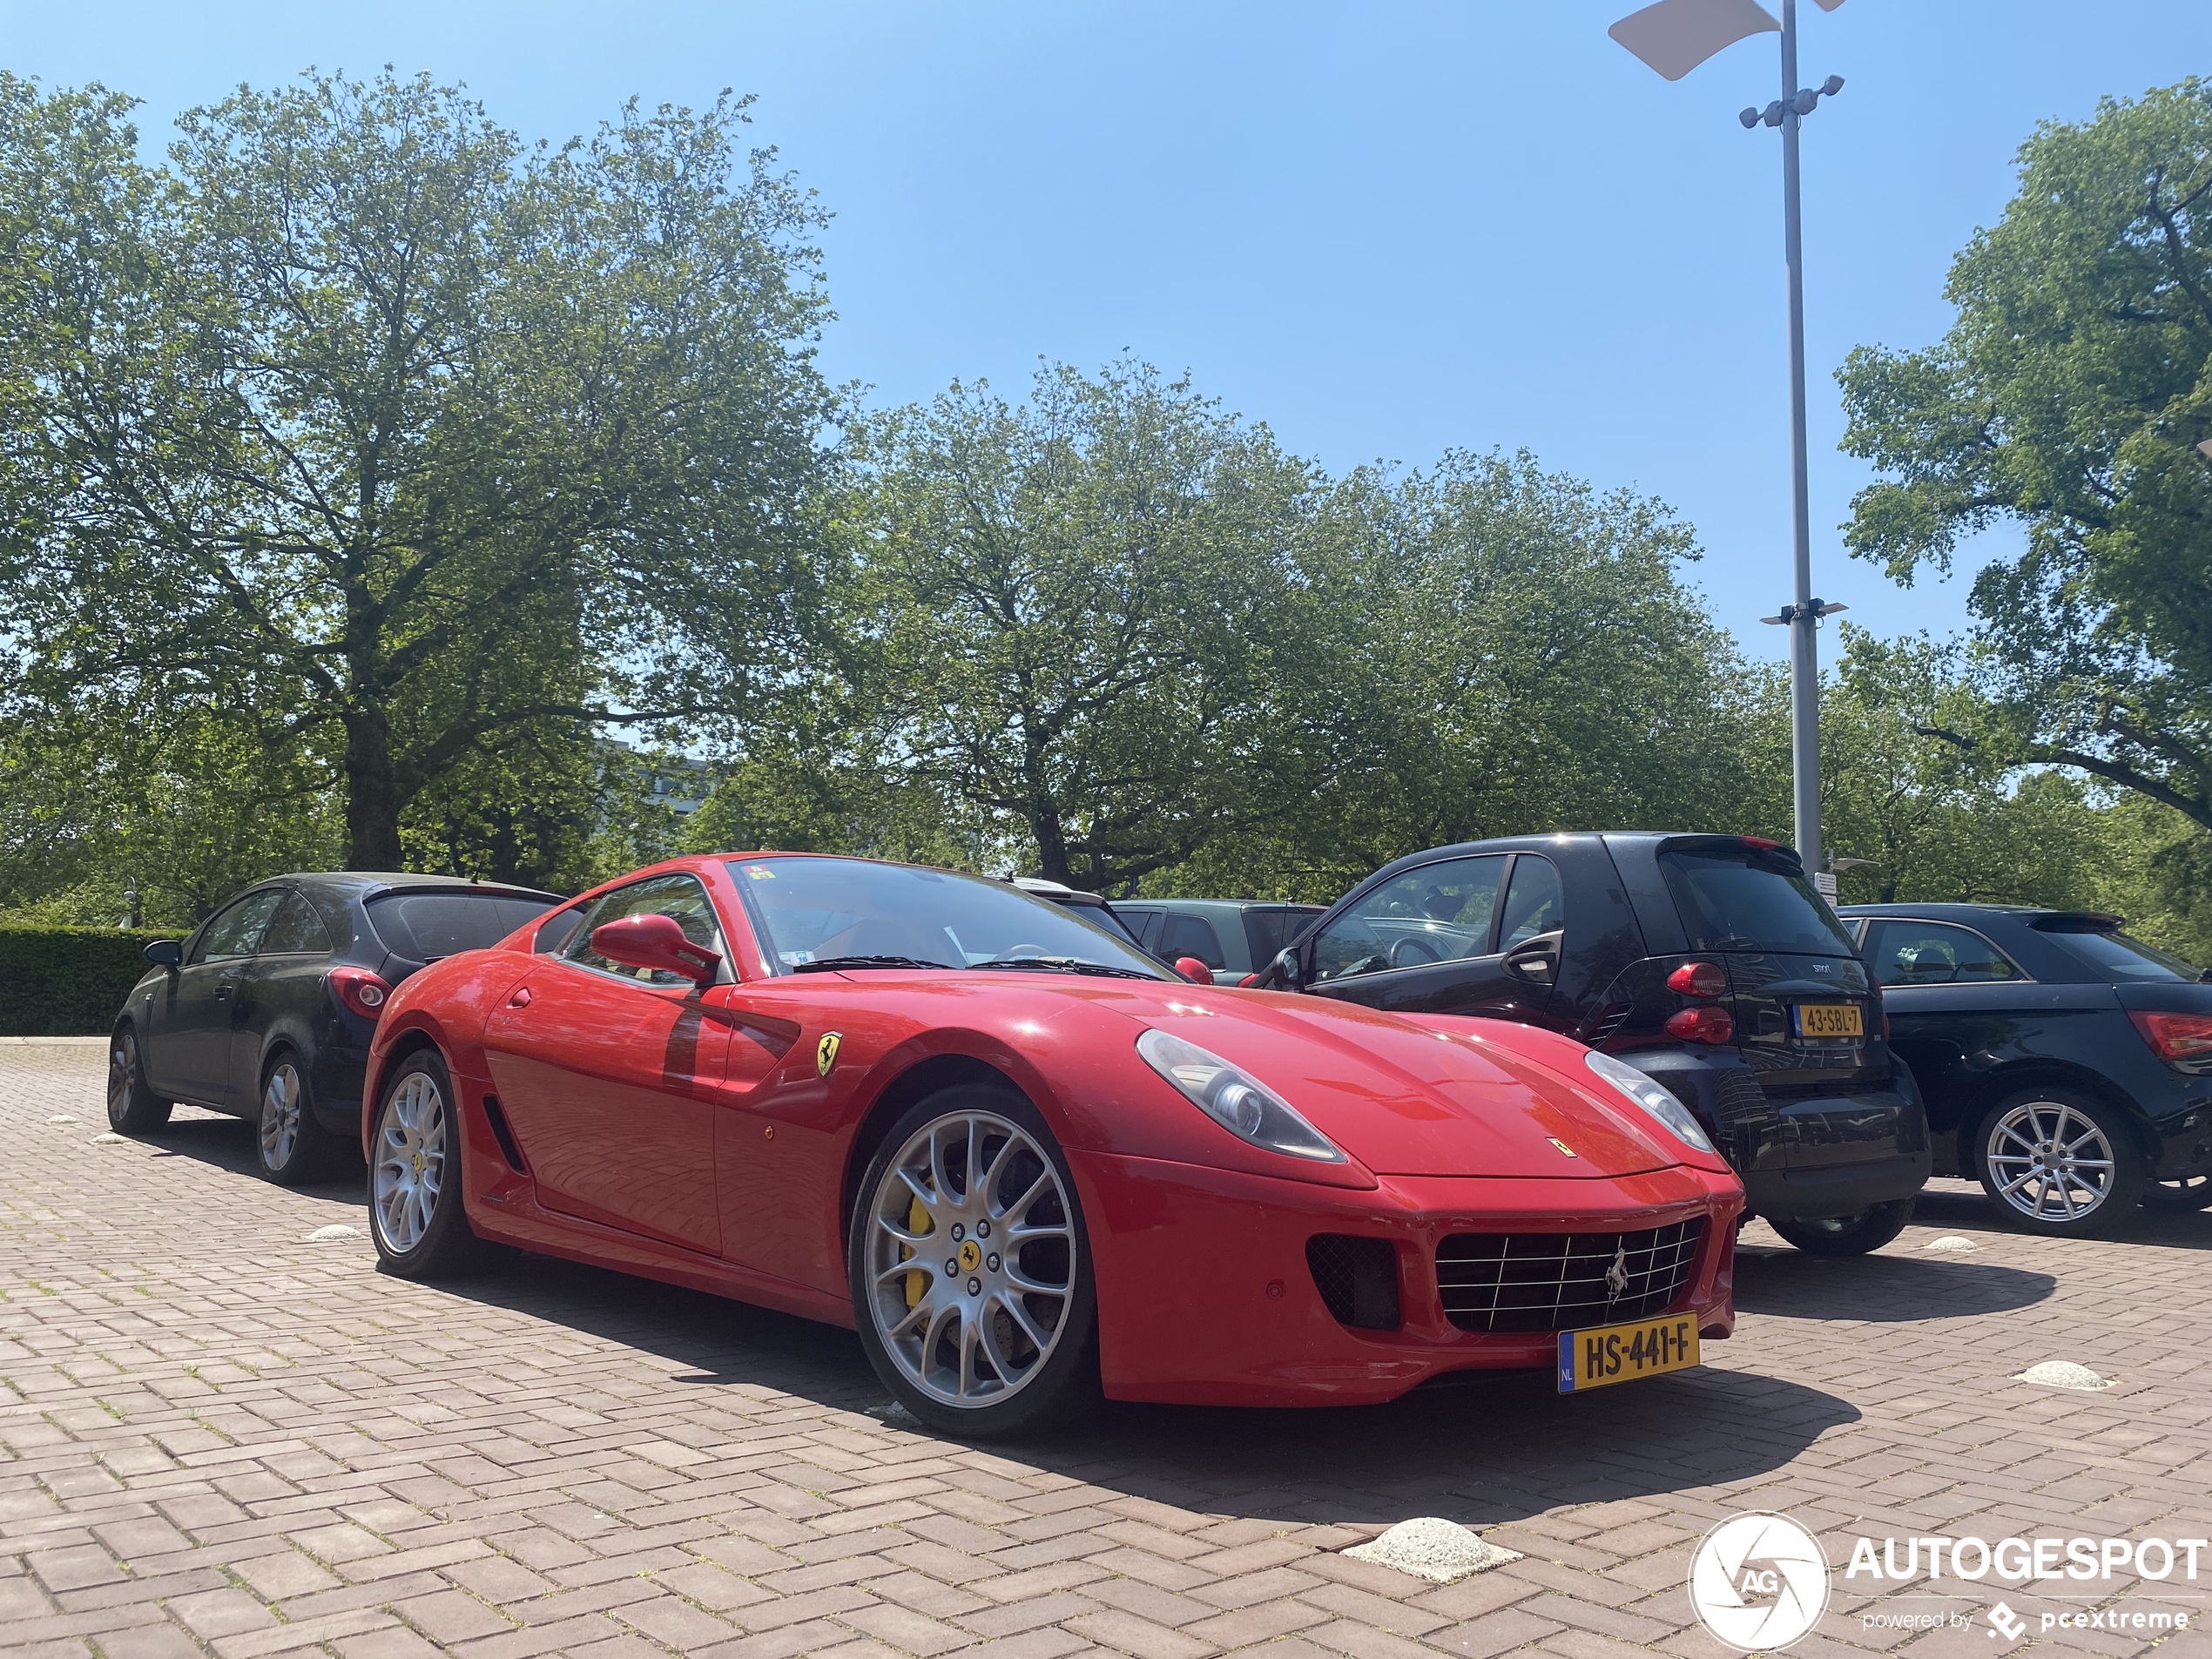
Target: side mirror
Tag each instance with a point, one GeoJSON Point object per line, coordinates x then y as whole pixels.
{"type": "Point", "coordinates": [657, 942]}
{"type": "Point", "coordinates": [1285, 969]}
{"type": "Point", "coordinates": [165, 953]}
{"type": "Point", "coordinates": [1194, 970]}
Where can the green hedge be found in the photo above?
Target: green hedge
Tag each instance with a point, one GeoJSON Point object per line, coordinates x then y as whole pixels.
{"type": "Point", "coordinates": [68, 982]}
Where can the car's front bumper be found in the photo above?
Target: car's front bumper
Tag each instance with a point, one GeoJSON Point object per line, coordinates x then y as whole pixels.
{"type": "Point", "coordinates": [1205, 1296]}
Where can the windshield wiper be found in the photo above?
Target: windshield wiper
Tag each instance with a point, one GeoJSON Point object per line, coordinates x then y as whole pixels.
{"type": "Point", "coordinates": [1065, 964]}
{"type": "Point", "coordinates": [832, 964]}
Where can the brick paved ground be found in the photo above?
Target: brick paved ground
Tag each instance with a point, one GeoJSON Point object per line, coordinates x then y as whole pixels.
{"type": "Point", "coordinates": [217, 1436]}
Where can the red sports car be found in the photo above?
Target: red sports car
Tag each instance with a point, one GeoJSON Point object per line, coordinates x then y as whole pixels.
{"type": "Point", "coordinates": [1025, 1162]}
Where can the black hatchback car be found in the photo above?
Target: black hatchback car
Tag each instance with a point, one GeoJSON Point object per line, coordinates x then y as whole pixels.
{"type": "Point", "coordinates": [2067, 1066]}
{"type": "Point", "coordinates": [1707, 962]}
{"type": "Point", "coordinates": [266, 1011]}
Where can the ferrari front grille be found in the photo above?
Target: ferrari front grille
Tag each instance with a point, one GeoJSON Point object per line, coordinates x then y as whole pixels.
{"type": "Point", "coordinates": [1564, 1281]}
{"type": "Point", "coordinates": [1358, 1278]}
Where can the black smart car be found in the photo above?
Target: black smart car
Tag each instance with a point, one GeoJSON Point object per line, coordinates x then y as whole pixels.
{"type": "Point", "coordinates": [266, 1010]}
{"type": "Point", "coordinates": [2067, 1066]}
{"type": "Point", "coordinates": [1708, 961]}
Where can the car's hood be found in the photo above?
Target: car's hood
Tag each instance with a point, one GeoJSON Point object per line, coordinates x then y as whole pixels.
{"type": "Point", "coordinates": [1423, 1095]}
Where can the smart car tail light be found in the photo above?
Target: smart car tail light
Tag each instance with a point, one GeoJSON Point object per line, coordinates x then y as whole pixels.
{"type": "Point", "coordinates": [1234, 1099]}
{"type": "Point", "coordinates": [1704, 1023]}
{"type": "Point", "coordinates": [2184, 1040]}
{"type": "Point", "coordinates": [1698, 979]}
{"type": "Point", "coordinates": [362, 991]}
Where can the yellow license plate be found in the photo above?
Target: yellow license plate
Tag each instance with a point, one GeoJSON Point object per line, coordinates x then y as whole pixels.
{"type": "Point", "coordinates": [1618, 1354]}
{"type": "Point", "coordinates": [1831, 1020]}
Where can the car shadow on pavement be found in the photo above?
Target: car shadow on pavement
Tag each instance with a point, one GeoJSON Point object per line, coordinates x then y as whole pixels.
{"type": "Point", "coordinates": [1961, 1205]}
{"type": "Point", "coordinates": [226, 1142]}
{"type": "Point", "coordinates": [1478, 1447]}
{"type": "Point", "coordinates": [1791, 1284]}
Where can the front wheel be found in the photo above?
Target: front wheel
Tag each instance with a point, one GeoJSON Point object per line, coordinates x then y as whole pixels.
{"type": "Point", "coordinates": [2189, 1192]}
{"type": "Point", "coordinates": [970, 1273]}
{"type": "Point", "coordinates": [1857, 1235]}
{"type": "Point", "coordinates": [131, 1109]}
{"type": "Point", "coordinates": [414, 1210]}
{"type": "Point", "coordinates": [2059, 1162]}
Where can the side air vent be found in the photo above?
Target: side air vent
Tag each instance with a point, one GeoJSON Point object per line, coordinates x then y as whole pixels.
{"type": "Point", "coordinates": [1358, 1278]}
{"type": "Point", "coordinates": [505, 1135]}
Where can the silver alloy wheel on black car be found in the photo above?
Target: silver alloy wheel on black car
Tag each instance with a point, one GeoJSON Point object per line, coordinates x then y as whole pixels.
{"type": "Point", "coordinates": [407, 1175]}
{"type": "Point", "coordinates": [971, 1258]}
{"type": "Point", "coordinates": [131, 1109]}
{"type": "Point", "coordinates": [2059, 1162]}
{"type": "Point", "coordinates": [282, 1099]}
{"type": "Point", "coordinates": [2189, 1192]}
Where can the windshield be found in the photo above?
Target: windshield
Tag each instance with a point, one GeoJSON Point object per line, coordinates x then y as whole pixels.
{"type": "Point", "coordinates": [423, 926]}
{"type": "Point", "coordinates": [2124, 958]}
{"type": "Point", "coordinates": [818, 909]}
{"type": "Point", "coordinates": [1749, 899]}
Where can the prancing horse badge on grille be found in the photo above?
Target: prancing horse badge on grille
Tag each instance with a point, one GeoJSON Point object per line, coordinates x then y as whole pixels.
{"type": "Point", "coordinates": [1616, 1276]}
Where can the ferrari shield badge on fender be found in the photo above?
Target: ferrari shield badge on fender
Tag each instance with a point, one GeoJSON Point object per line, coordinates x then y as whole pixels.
{"type": "Point", "coordinates": [1560, 1144]}
{"type": "Point", "coordinates": [825, 1052]}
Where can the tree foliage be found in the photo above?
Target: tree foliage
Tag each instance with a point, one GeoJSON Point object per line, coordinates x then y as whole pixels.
{"type": "Point", "coordinates": [2069, 399]}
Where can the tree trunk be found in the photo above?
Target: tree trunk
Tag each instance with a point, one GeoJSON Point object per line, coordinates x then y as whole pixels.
{"type": "Point", "coordinates": [372, 792]}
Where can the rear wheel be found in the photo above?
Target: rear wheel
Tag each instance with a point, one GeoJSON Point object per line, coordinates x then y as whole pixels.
{"type": "Point", "coordinates": [293, 1148]}
{"type": "Point", "coordinates": [2059, 1162]}
{"type": "Point", "coordinates": [131, 1109]}
{"type": "Point", "coordinates": [1848, 1235]}
{"type": "Point", "coordinates": [970, 1272]}
{"type": "Point", "coordinates": [414, 1209]}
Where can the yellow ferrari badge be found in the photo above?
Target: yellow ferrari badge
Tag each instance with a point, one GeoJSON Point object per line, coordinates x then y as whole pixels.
{"type": "Point", "coordinates": [1560, 1144]}
{"type": "Point", "coordinates": [971, 1255]}
{"type": "Point", "coordinates": [825, 1052]}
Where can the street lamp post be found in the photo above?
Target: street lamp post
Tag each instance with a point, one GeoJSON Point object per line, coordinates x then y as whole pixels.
{"type": "Point", "coordinates": [1674, 37]}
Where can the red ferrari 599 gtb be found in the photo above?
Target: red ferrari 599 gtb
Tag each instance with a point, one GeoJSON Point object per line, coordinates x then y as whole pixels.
{"type": "Point", "coordinates": [1025, 1162]}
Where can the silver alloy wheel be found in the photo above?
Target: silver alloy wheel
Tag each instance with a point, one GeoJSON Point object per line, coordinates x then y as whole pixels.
{"type": "Point", "coordinates": [410, 1163]}
{"type": "Point", "coordinates": [122, 1075]}
{"type": "Point", "coordinates": [280, 1116]}
{"type": "Point", "coordinates": [971, 1259]}
{"type": "Point", "coordinates": [2049, 1161]}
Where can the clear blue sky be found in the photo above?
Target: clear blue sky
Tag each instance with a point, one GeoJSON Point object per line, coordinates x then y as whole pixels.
{"type": "Point", "coordinates": [1384, 230]}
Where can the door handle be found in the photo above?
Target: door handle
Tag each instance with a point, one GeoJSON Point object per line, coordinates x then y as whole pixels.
{"type": "Point", "coordinates": [221, 991]}
{"type": "Point", "coordinates": [521, 999]}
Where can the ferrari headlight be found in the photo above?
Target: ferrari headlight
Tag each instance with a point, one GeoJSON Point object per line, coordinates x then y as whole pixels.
{"type": "Point", "coordinates": [1652, 1096]}
{"type": "Point", "coordinates": [1234, 1099]}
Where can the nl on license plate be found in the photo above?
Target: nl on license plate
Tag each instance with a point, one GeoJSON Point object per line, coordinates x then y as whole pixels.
{"type": "Point", "coordinates": [1831, 1020]}
{"type": "Point", "coordinates": [1618, 1354]}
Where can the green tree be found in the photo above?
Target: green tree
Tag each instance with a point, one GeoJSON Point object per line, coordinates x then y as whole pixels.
{"type": "Point", "coordinates": [419, 444]}
{"type": "Point", "coordinates": [2069, 399]}
{"type": "Point", "coordinates": [1067, 620]}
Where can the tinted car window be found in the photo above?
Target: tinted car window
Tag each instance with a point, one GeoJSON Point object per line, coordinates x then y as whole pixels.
{"type": "Point", "coordinates": [810, 909]}
{"type": "Point", "coordinates": [1533, 905]}
{"type": "Point", "coordinates": [2124, 958]}
{"type": "Point", "coordinates": [1192, 936]}
{"type": "Point", "coordinates": [681, 897]}
{"type": "Point", "coordinates": [423, 926]}
{"type": "Point", "coordinates": [1142, 924]}
{"type": "Point", "coordinates": [295, 930]}
{"type": "Point", "coordinates": [1440, 913]}
{"type": "Point", "coordinates": [555, 930]}
{"type": "Point", "coordinates": [1750, 901]}
{"type": "Point", "coordinates": [1928, 953]}
{"type": "Point", "coordinates": [1268, 929]}
{"type": "Point", "coordinates": [237, 930]}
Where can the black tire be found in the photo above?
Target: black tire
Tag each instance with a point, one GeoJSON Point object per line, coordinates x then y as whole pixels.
{"type": "Point", "coordinates": [2191, 1192]}
{"type": "Point", "coordinates": [131, 1109]}
{"type": "Point", "coordinates": [2090, 1195]}
{"type": "Point", "coordinates": [1060, 1383]}
{"type": "Point", "coordinates": [290, 1147]}
{"type": "Point", "coordinates": [418, 1134]}
{"type": "Point", "coordinates": [1857, 1235]}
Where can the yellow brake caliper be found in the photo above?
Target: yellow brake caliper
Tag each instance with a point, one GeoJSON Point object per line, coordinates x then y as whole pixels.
{"type": "Point", "coordinates": [917, 1222]}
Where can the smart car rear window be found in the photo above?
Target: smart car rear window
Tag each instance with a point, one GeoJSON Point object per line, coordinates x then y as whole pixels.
{"type": "Point", "coordinates": [1741, 897]}
{"type": "Point", "coordinates": [423, 927]}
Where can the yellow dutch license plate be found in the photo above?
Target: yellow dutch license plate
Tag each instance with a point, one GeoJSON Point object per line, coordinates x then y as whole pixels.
{"type": "Point", "coordinates": [1619, 1354]}
{"type": "Point", "coordinates": [1831, 1020]}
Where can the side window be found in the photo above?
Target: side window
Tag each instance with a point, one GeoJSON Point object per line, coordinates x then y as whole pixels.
{"type": "Point", "coordinates": [556, 931]}
{"type": "Point", "coordinates": [1904, 954]}
{"type": "Point", "coordinates": [1441, 912]}
{"type": "Point", "coordinates": [679, 896]}
{"type": "Point", "coordinates": [1192, 936]}
{"type": "Point", "coordinates": [295, 930]}
{"type": "Point", "coordinates": [236, 931]}
{"type": "Point", "coordinates": [1143, 925]}
{"type": "Point", "coordinates": [1532, 902]}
